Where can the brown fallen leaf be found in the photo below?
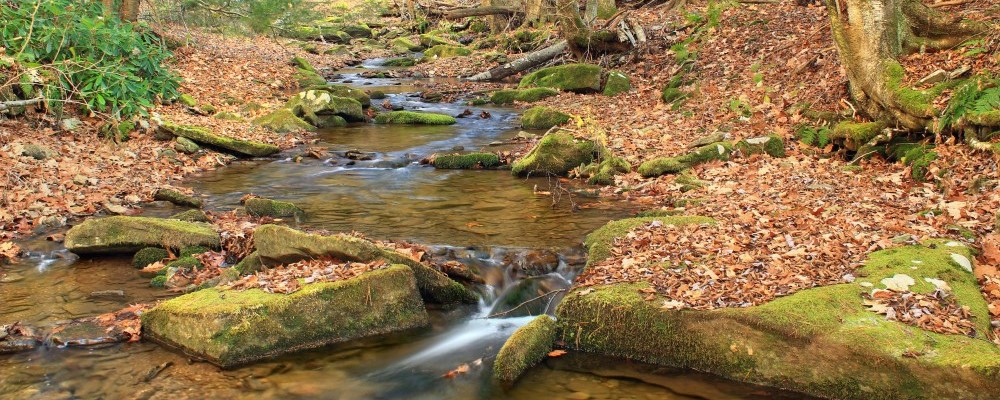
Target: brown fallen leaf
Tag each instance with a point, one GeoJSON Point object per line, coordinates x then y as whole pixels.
{"type": "Point", "coordinates": [557, 353]}
{"type": "Point", "coordinates": [461, 369]}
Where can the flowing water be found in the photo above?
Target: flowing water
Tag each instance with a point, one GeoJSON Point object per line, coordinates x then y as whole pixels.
{"type": "Point", "coordinates": [524, 243]}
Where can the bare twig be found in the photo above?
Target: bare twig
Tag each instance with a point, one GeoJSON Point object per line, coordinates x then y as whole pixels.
{"type": "Point", "coordinates": [524, 303]}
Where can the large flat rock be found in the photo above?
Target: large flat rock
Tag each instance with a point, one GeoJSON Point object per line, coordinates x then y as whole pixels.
{"type": "Point", "coordinates": [122, 234]}
{"type": "Point", "coordinates": [230, 328]}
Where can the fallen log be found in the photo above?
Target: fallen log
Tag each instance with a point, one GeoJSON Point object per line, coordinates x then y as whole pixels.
{"type": "Point", "coordinates": [522, 64]}
{"type": "Point", "coordinates": [479, 11]}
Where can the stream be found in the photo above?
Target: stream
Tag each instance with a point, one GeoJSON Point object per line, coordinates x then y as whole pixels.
{"type": "Point", "coordinates": [522, 244]}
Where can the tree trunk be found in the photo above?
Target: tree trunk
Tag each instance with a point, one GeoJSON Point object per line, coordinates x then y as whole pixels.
{"type": "Point", "coordinates": [129, 10]}
{"type": "Point", "coordinates": [521, 64]}
{"type": "Point", "coordinates": [870, 35]}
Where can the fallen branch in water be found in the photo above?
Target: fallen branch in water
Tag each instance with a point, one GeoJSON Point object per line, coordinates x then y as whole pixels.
{"type": "Point", "coordinates": [523, 303]}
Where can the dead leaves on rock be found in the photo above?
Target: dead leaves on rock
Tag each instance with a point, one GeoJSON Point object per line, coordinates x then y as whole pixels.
{"type": "Point", "coordinates": [935, 312]}
{"type": "Point", "coordinates": [290, 278]}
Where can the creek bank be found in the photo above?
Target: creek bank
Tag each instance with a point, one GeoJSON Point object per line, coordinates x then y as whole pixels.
{"type": "Point", "coordinates": [821, 341]}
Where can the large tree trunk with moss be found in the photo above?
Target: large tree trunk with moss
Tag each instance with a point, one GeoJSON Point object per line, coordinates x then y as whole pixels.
{"type": "Point", "coordinates": [870, 35]}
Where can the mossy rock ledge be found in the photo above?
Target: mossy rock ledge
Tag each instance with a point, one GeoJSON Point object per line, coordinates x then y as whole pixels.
{"type": "Point", "coordinates": [555, 154]}
{"type": "Point", "coordinates": [261, 207]}
{"type": "Point", "coordinates": [525, 348]}
{"type": "Point", "coordinates": [231, 328]}
{"type": "Point", "coordinates": [820, 341]}
{"type": "Point", "coordinates": [581, 78]}
{"type": "Point", "coordinates": [281, 245]}
{"type": "Point", "coordinates": [204, 136]}
{"type": "Point", "coordinates": [531, 95]}
{"type": "Point", "coordinates": [122, 234]}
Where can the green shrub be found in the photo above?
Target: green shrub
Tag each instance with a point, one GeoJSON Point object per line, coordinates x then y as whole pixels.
{"type": "Point", "coordinates": [111, 66]}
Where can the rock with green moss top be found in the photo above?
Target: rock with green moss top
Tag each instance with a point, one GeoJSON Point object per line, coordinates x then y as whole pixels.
{"type": "Point", "coordinates": [400, 62]}
{"type": "Point", "coordinates": [177, 198]}
{"type": "Point", "coordinates": [231, 328]}
{"type": "Point", "coordinates": [249, 264]}
{"type": "Point", "coordinates": [429, 40]}
{"type": "Point", "coordinates": [772, 145]}
{"type": "Point", "coordinates": [191, 216]}
{"type": "Point", "coordinates": [555, 154]}
{"type": "Point", "coordinates": [186, 146]}
{"type": "Point", "coordinates": [523, 95]}
{"type": "Point", "coordinates": [184, 263]}
{"type": "Point", "coordinates": [599, 242]}
{"type": "Point", "coordinates": [306, 78]}
{"type": "Point", "coordinates": [525, 348]}
{"type": "Point", "coordinates": [357, 30]}
{"type": "Point", "coordinates": [278, 245]}
{"type": "Point", "coordinates": [193, 250]}
{"type": "Point", "coordinates": [261, 207]}
{"type": "Point", "coordinates": [603, 173]}
{"type": "Point", "coordinates": [673, 165]}
{"type": "Point", "coordinates": [344, 91]}
{"type": "Point", "coordinates": [283, 120]}
{"type": "Point", "coordinates": [671, 95]}
{"type": "Point", "coordinates": [377, 95]}
{"type": "Point", "coordinates": [405, 44]}
{"type": "Point", "coordinates": [445, 51]}
{"type": "Point", "coordinates": [148, 255]}
{"type": "Point", "coordinates": [158, 281]}
{"type": "Point", "coordinates": [541, 117]}
{"type": "Point", "coordinates": [227, 116]}
{"type": "Point", "coordinates": [617, 82]}
{"type": "Point", "coordinates": [414, 117]}
{"type": "Point", "coordinates": [187, 100]}
{"type": "Point", "coordinates": [206, 137]}
{"type": "Point", "coordinates": [122, 234]}
{"type": "Point", "coordinates": [311, 103]}
{"type": "Point", "coordinates": [467, 161]}
{"type": "Point", "coordinates": [570, 77]}
{"type": "Point", "coordinates": [821, 341]}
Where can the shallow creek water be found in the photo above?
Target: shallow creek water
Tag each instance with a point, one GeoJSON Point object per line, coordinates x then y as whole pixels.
{"type": "Point", "coordinates": [522, 244]}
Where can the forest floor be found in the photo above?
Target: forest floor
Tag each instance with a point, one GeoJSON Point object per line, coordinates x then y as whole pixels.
{"type": "Point", "coordinates": [801, 221]}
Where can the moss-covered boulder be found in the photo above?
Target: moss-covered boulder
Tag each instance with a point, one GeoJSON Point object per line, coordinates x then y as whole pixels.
{"type": "Point", "coordinates": [206, 137]}
{"type": "Point", "coordinates": [821, 341]}
{"type": "Point", "coordinates": [344, 91]}
{"type": "Point", "coordinates": [281, 245]}
{"type": "Point", "coordinates": [530, 95]}
{"type": "Point", "coordinates": [360, 31]}
{"type": "Point", "coordinates": [772, 145]}
{"type": "Point", "coordinates": [673, 165]}
{"type": "Point", "coordinates": [571, 77]}
{"type": "Point", "coordinates": [312, 103]}
{"type": "Point", "coordinates": [186, 146]}
{"type": "Point", "coordinates": [603, 172]}
{"type": "Point", "coordinates": [148, 255]}
{"type": "Point", "coordinates": [302, 63]}
{"type": "Point", "coordinates": [405, 44]}
{"type": "Point", "coordinates": [231, 328]}
{"type": "Point", "coordinates": [414, 117]}
{"type": "Point", "coordinates": [177, 198]}
{"type": "Point", "coordinates": [467, 161]}
{"type": "Point", "coordinates": [122, 234]}
{"type": "Point", "coordinates": [261, 207]}
{"type": "Point", "coordinates": [283, 120]}
{"type": "Point", "coordinates": [555, 154]}
{"type": "Point", "coordinates": [445, 51]}
{"type": "Point", "coordinates": [429, 40]}
{"type": "Point", "coordinates": [541, 117]}
{"type": "Point", "coordinates": [616, 83]}
{"type": "Point", "coordinates": [249, 264]}
{"type": "Point", "coordinates": [191, 216]}
{"type": "Point", "coordinates": [305, 78]}
{"type": "Point", "coordinates": [525, 348]}
{"type": "Point", "coordinates": [325, 33]}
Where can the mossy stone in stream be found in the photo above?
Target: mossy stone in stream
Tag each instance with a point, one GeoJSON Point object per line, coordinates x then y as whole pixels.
{"type": "Point", "coordinates": [445, 51]}
{"type": "Point", "coordinates": [414, 117]}
{"type": "Point", "coordinates": [405, 44]}
{"type": "Point", "coordinates": [525, 348]}
{"type": "Point", "coordinates": [158, 281]}
{"type": "Point", "coordinates": [261, 207]}
{"type": "Point", "coordinates": [177, 198]}
{"type": "Point", "coordinates": [148, 255]}
{"type": "Point", "coordinates": [344, 91]}
{"type": "Point", "coordinates": [307, 78]}
{"type": "Point", "coordinates": [673, 165]}
{"type": "Point", "coordinates": [319, 102]}
{"type": "Point", "coordinates": [191, 216]}
{"type": "Point", "coordinates": [283, 120]}
{"type": "Point", "coordinates": [122, 234]}
{"type": "Point", "coordinates": [531, 95]}
{"type": "Point", "coordinates": [772, 145]}
{"type": "Point", "coordinates": [400, 62]}
{"type": "Point", "coordinates": [541, 117]}
{"type": "Point", "coordinates": [570, 77]}
{"type": "Point", "coordinates": [204, 136]}
{"type": "Point", "coordinates": [278, 245]}
{"type": "Point", "coordinates": [821, 341]}
{"type": "Point", "coordinates": [617, 82]}
{"type": "Point", "coordinates": [467, 161]}
{"type": "Point", "coordinates": [184, 263]}
{"type": "Point", "coordinates": [231, 328]}
{"type": "Point", "coordinates": [555, 154]}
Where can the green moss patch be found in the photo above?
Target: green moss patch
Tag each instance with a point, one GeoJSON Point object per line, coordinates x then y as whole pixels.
{"type": "Point", "coordinates": [148, 255]}
{"type": "Point", "coordinates": [177, 198]}
{"type": "Point", "coordinates": [231, 328]}
{"type": "Point", "coordinates": [405, 44]}
{"type": "Point", "coordinates": [306, 78]}
{"type": "Point", "coordinates": [531, 95]}
{"type": "Point", "coordinates": [400, 62]}
{"type": "Point", "coordinates": [673, 165]}
{"type": "Point", "coordinates": [312, 103]}
{"type": "Point", "coordinates": [570, 77]}
{"type": "Point", "coordinates": [467, 161]}
{"type": "Point", "coordinates": [543, 118]}
{"type": "Point", "coordinates": [414, 117]}
{"type": "Point", "coordinates": [261, 207]}
{"type": "Point", "coordinates": [343, 91]}
{"type": "Point", "coordinates": [283, 120]}
{"type": "Point", "coordinates": [445, 51]}
{"type": "Point", "coordinates": [204, 136]}
{"type": "Point", "coordinates": [525, 348]}
{"type": "Point", "coordinates": [772, 145]}
{"type": "Point", "coordinates": [191, 216]}
{"type": "Point", "coordinates": [617, 82]}
{"type": "Point", "coordinates": [430, 40]}
{"type": "Point", "coordinates": [121, 234]}
{"type": "Point", "coordinates": [555, 154]}
{"type": "Point", "coordinates": [600, 241]}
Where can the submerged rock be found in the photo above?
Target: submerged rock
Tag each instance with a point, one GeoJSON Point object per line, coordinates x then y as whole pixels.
{"type": "Point", "coordinates": [414, 117]}
{"type": "Point", "coordinates": [204, 136]}
{"type": "Point", "coordinates": [571, 77]}
{"type": "Point", "coordinates": [230, 328]}
{"type": "Point", "coordinates": [555, 154]}
{"type": "Point", "coordinates": [281, 245]}
{"type": "Point", "coordinates": [820, 341]}
{"type": "Point", "coordinates": [261, 207]}
{"type": "Point", "coordinates": [121, 234]}
{"type": "Point", "coordinates": [177, 198]}
{"type": "Point", "coordinates": [525, 348]}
